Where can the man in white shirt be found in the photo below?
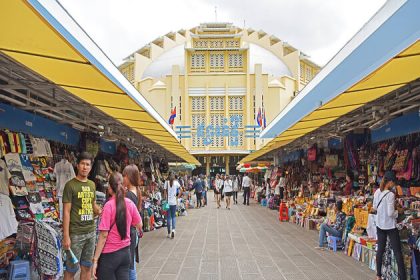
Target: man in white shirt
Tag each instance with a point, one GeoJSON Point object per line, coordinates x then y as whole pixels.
{"type": "Point", "coordinates": [246, 185]}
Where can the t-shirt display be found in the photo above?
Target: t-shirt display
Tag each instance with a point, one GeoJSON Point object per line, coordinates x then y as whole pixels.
{"type": "Point", "coordinates": [81, 195]}
{"type": "Point", "coordinates": [64, 172]}
{"type": "Point", "coordinates": [4, 178]}
{"type": "Point", "coordinates": [7, 218]}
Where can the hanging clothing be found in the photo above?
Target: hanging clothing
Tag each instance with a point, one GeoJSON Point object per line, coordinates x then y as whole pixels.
{"type": "Point", "coordinates": [4, 178]}
{"type": "Point", "coordinates": [7, 218]}
{"type": "Point", "coordinates": [48, 250]}
{"type": "Point", "coordinates": [64, 172]}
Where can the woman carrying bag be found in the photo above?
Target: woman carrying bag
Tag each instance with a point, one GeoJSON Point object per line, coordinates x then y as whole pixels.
{"type": "Point", "coordinates": [112, 254]}
{"type": "Point", "coordinates": [385, 206]}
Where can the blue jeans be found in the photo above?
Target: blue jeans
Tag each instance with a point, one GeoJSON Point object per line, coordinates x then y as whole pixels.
{"type": "Point", "coordinates": [171, 216]}
{"type": "Point", "coordinates": [133, 272]}
{"type": "Point", "coordinates": [323, 233]}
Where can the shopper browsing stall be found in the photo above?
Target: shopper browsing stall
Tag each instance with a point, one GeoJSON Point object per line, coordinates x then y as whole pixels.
{"type": "Point", "coordinates": [112, 254]}
{"type": "Point", "coordinates": [79, 232]}
{"type": "Point", "coordinates": [131, 175]}
{"type": "Point", "coordinates": [336, 229]}
{"type": "Point", "coordinates": [386, 219]}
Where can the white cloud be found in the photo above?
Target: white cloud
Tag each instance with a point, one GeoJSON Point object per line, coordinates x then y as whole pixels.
{"type": "Point", "coordinates": [318, 28]}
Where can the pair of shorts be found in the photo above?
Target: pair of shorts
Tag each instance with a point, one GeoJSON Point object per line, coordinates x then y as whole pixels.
{"type": "Point", "coordinates": [228, 193]}
{"type": "Point", "coordinates": [83, 247]}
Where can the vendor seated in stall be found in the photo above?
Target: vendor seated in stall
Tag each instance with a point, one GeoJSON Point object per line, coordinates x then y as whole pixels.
{"type": "Point", "coordinates": [335, 229]}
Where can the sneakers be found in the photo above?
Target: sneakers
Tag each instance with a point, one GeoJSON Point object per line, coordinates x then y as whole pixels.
{"type": "Point", "coordinates": [169, 235]}
{"type": "Point", "coordinates": [173, 234]}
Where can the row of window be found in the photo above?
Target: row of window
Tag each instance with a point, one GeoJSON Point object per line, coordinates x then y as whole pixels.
{"type": "Point", "coordinates": [306, 72]}
{"type": "Point", "coordinates": [216, 44]}
{"type": "Point", "coordinates": [217, 62]}
{"type": "Point", "coordinates": [217, 120]}
{"type": "Point", "coordinates": [217, 103]}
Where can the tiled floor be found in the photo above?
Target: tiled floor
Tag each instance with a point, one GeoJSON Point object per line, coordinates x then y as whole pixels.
{"type": "Point", "coordinates": [247, 242]}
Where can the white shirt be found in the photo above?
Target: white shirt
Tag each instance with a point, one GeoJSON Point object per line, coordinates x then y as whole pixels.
{"type": "Point", "coordinates": [235, 185]}
{"type": "Point", "coordinates": [4, 178]}
{"type": "Point", "coordinates": [386, 216]}
{"type": "Point", "coordinates": [7, 218]}
{"type": "Point", "coordinates": [172, 191]}
{"type": "Point", "coordinates": [64, 172]}
{"type": "Point", "coordinates": [219, 184]}
{"type": "Point", "coordinates": [228, 186]}
{"type": "Point", "coordinates": [246, 182]}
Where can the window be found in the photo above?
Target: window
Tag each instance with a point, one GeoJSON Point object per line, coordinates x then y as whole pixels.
{"type": "Point", "coordinates": [308, 73]}
{"type": "Point", "coordinates": [198, 103]}
{"type": "Point", "coordinates": [200, 44]}
{"type": "Point", "coordinates": [217, 62]}
{"type": "Point", "coordinates": [217, 103]}
{"type": "Point", "coordinates": [216, 44]}
{"type": "Point", "coordinates": [198, 62]}
{"type": "Point", "coordinates": [239, 118]}
{"type": "Point", "coordinates": [197, 119]}
{"type": "Point", "coordinates": [236, 103]}
{"type": "Point", "coordinates": [235, 60]}
{"type": "Point", "coordinates": [232, 44]}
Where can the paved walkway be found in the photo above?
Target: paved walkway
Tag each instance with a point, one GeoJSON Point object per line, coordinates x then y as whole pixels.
{"type": "Point", "coordinates": [247, 242]}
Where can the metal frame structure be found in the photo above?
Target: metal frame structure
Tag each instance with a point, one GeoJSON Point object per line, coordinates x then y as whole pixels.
{"type": "Point", "coordinates": [24, 89]}
{"type": "Point", "coordinates": [371, 116]}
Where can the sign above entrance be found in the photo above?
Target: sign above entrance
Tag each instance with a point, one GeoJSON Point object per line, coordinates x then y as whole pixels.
{"type": "Point", "coordinates": [229, 128]}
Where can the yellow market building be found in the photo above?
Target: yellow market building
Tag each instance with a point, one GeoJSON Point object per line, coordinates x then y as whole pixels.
{"type": "Point", "coordinates": [223, 82]}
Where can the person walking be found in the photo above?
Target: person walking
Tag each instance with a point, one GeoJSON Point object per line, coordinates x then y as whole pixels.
{"type": "Point", "coordinates": [205, 189]}
{"type": "Point", "coordinates": [198, 188]}
{"type": "Point", "coordinates": [235, 189]}
{"type": "Point", "coordinates": [386, 220]}
{"type": "Point", "coordinates": [218, 184]}
{"type": "Point", "coordinates": [79, 231]}
{"type": "Point", "coordinates": [131, 181]}
{"type": "Point", "coordinates": [228, 190]}
{"type": "Point", "coordinates": [246, 185]}
{"type": "Point", "coordinates": [171, 187]}
{"type": "Point", "coordinates": [112, 255]}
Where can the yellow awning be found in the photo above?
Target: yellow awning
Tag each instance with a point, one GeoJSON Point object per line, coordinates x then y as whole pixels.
{"type": "Point", "coordinates": [396, 73]}
{"type": "Point", "coordinates": [34, 37]}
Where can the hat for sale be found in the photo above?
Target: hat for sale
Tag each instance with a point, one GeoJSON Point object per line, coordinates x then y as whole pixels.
{"type": "Point", "coordinates": [389, 176]}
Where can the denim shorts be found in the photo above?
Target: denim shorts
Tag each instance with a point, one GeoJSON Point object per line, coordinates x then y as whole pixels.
{"type": "Point", "coordinates": [83, 247]}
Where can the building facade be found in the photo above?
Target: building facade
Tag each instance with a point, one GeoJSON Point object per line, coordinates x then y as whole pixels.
{"type": "Point", "coordinates": [224, 83]}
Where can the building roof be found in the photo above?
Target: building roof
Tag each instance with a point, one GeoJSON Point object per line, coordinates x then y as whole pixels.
{"type": "Point", "coordinates": [271, 64]}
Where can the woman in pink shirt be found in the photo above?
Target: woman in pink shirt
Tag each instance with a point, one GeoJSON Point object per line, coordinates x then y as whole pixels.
{"type": "Point", "coordinates": [112, 254]}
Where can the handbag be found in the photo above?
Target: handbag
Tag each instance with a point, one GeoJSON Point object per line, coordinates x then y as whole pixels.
{"type": "Point", "coordinates": [165, 205]}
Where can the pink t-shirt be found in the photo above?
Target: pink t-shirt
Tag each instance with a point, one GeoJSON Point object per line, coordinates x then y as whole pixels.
{"type": "Point", "coordinates": [113, 242]}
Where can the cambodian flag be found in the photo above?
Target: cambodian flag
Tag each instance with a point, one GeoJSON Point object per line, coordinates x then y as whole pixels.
{"type": "Point", "coordinates": [259, 118]}
{"type": "Point", "coordinates": [173, 116]}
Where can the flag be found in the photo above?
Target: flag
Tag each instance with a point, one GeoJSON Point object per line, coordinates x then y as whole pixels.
{"type": "Point", "coordinates": [264, 120]}
{"type": "Point", "coordinates": [259, 118]}
{"type": "Point", "coordinates": [173, 116]}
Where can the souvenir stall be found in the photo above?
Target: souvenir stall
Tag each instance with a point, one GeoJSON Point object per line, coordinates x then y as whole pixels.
{"type": "Point", "coordinates": [314, 183]}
